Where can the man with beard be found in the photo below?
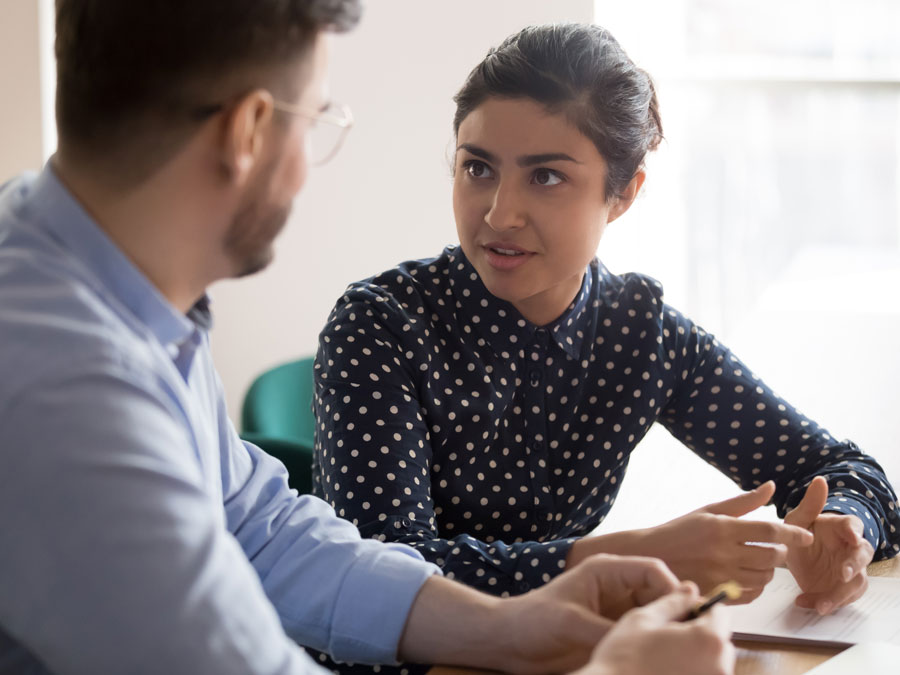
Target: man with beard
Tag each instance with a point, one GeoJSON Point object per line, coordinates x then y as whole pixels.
{"type": "Point", "coordinates": [140, 535]}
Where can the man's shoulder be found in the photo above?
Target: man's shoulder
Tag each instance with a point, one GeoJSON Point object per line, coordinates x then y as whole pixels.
{"type": "Point", "coordinates": [53, 318]}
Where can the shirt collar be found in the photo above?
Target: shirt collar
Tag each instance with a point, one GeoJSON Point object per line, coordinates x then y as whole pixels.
{"type": "Point", "coordinates": [568, 331]}
{"type": "Point", "coordinates": [55, 210]}
{"type": "Point", "coordinates": [570, 328]}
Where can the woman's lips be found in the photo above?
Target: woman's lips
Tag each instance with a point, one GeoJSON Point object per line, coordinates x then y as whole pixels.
{"type": "Point", "coordinates": [505, 257]}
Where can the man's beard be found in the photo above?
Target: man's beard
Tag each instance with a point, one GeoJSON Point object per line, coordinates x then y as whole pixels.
{"type": "Point", "coordinates": [249, 240]}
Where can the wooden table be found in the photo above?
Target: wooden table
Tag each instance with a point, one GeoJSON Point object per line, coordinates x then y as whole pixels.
{"type": "Point", "coordinates": [757, 658]}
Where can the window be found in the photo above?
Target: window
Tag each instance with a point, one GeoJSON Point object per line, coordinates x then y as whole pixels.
{"type": "Point", "coordinates": [772, 211]}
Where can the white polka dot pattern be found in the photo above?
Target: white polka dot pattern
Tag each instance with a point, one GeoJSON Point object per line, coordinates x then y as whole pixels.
{"type": "Point", "coordinates": [362, 669]}
{"type": "Point", "coordinates": [448, 422]}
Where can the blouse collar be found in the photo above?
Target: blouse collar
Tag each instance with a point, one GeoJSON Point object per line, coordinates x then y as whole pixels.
{"type": "Point", "coordinates": [569, 331]}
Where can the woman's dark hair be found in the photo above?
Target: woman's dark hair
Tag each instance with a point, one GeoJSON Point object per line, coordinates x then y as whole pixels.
{"type": "Point", "coordinates": [583, 72]}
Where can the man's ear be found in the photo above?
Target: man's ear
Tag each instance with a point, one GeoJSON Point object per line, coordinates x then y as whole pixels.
{"type": "Point", "coordinates": [624, 202]}
{"type": "Point", "coordinates": [244, 133]}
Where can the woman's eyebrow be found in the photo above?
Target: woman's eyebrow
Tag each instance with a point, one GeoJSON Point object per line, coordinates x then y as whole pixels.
{"type": "Point", "coordinates": [531, 160]}
{"type": "Point", "coordinates": [523, 161]}
{"type": "Point", "coordinates": [478, 152]}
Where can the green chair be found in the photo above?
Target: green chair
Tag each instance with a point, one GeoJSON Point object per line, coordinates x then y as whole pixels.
{"type": "Point", "coordinates": [277, 416]}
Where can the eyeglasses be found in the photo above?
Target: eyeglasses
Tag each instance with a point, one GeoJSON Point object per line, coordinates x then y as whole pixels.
{"type": "Point", "coordinates": [326, 133]}
{"type": "Point", "coordinates": [328, 129]}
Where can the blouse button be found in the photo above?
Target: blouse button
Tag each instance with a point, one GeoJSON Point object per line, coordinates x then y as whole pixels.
{"type": "Point", "coordinates": [523, 586]}
{"type": "Point", "coordinates": [405, 522]}
{"type": "Point", "coordinates": [535, 377]}
{"type": "Point", "coordinates": [538, 444]}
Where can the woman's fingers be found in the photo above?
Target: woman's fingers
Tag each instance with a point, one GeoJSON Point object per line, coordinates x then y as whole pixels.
{"type": "Point", "coordinates": [811, 505]}
{"type": "Point", "coordinates": [743, 503]}
{"type": "Point", "coordinates": [829, 601]}
{"type": "Point", "coordinates": [772, 533]}
{"type": "Point", "coordinates": [857, 561]}
{"type": "Point", "coordinates": [754, 557]}
{"type": "Point", "coordinates": [752, 582]}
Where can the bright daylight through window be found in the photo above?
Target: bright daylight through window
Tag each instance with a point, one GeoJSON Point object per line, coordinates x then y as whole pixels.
{"type": "Point", "coordinates": [772, 211]}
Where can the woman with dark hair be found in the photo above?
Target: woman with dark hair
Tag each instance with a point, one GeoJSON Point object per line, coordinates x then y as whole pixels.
{"type": "Point", "coordinates": [482, 405]}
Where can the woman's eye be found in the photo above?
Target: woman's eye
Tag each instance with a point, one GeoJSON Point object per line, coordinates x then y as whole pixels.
{"type": "Point", "coordinates": [477, 169]}
{"type": "Point", "coordinates": [546, 177]}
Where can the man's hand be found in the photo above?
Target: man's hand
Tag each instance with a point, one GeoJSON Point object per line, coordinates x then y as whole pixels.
{"type": "Point", "coordinates": [652, 640]}
{"type": "Point", "coordinates": [832, 572]}
{"type": "Point", "coordinates": [712, 545]}
{"type": "Point", "coordinates": [552, 629]}
{"type": "Point", "coordinates": [556, 627]}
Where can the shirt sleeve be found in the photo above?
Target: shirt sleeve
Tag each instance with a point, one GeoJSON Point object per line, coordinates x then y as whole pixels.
{"type": "Point", "coordinates": [115, 558]}
{"type": "Point", "coordinates": [334, 590]}
{"type": "Point", "coordinates": [733, 420]}
{"type": "Point", "coordinates": [374, 454]}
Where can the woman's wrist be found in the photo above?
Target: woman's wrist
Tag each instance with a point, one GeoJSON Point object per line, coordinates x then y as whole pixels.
{"type": "Point", "coordinates": [628, 542]}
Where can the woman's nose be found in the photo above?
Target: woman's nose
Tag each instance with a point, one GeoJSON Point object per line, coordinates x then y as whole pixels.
{"type": "Point", "coordinates": [507, 210]}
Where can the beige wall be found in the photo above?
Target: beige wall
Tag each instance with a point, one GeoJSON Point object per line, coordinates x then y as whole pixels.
{"type": "Point", "coordinates": [20, 88]}
{"type": "Point", "coordinates": [386, 196]}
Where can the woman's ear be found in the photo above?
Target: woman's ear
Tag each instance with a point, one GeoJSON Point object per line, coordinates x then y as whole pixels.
{"type": "Point", "coordinates": [622, 203]}
{"type": "Point", "coordinates": [244, 134]}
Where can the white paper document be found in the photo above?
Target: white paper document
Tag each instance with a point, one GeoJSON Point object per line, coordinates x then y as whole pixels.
{"type": "Point", "coordinates": [773, 617]}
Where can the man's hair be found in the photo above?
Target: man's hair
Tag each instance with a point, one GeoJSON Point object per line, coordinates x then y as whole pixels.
{"type": "Point", "coordinates": [133, 76]}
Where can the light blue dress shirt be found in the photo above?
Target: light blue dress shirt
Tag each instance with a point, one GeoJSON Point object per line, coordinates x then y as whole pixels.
{"type": "Point", "coordinates": [138, 533]}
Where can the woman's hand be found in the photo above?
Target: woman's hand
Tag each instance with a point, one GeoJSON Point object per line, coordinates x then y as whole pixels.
{"type": "Point", "coordinates": [832, 572]}
{"type": "Point", "coordinates": [713, 545]}
{"type": "Point", "coordinates": [652, 640]}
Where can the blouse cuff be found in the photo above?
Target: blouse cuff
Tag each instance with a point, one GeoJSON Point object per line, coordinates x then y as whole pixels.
{"type": "Point", "coordinates": [539, 563]}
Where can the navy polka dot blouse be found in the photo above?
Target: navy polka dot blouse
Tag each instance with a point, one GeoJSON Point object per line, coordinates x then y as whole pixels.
{"type": "Point", "coordinates": [449, 422]}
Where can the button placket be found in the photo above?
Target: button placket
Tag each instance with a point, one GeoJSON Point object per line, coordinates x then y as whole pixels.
{"type": "Point", "coordinates": [536, 425]}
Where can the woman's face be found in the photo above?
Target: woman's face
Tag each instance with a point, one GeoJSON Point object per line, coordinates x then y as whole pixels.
{"type": "Point", "coordinates": [530, 204]}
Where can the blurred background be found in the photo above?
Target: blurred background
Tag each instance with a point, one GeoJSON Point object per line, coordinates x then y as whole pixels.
{"type": "Point", "coordinates": [771, 212]}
